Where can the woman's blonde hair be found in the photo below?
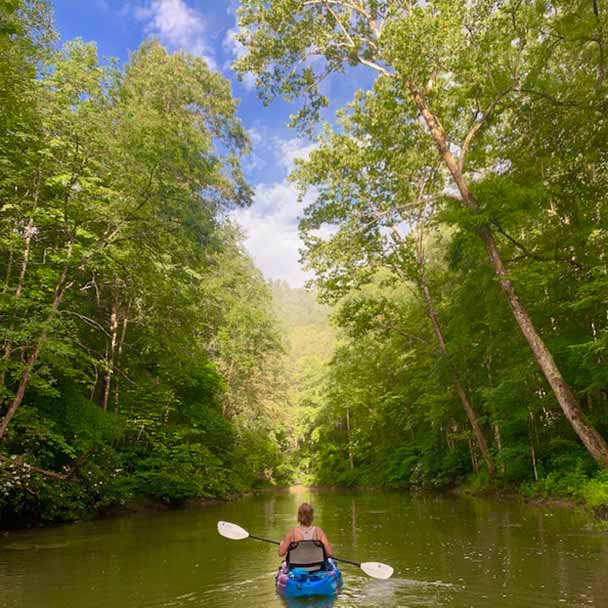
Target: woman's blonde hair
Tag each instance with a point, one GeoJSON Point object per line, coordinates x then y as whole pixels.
{"type": "Point", "coordinates": [305, 514]}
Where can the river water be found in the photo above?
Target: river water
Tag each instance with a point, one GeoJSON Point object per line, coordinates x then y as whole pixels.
{"type": "Point", "coordinates": [447, 552]}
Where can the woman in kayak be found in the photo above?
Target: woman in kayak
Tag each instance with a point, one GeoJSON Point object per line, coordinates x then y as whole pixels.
{"type": "Point", "coordinates": [305, 531]}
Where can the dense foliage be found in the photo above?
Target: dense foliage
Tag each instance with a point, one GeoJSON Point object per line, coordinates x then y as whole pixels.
{"type": "Point", "coordinates": [458, 224]}
{"type": "Point", "coordinates": [139, 355]}
{"type": "Point", "coordinates": [309, 342]}
{"type": "Point", "coordinates": [465, 193]}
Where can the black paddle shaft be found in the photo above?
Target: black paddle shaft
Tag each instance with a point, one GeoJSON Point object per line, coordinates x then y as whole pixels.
{"type": "Point", "coordinates": [276, 542]}
{"type": "Point", "coordinates": [265, 540]}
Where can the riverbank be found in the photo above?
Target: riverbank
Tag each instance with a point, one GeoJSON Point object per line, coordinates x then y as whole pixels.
{"type": "Point", "coordinates": [588, 495]}
{"type": "Point", "coordinates": [145, 506]}
{"type": "Point", "coordinates": [134, 505]}
{"type": "Point", "coordinates": [504, 493]}
{"type": "Point", "coordinates": [568, 489]}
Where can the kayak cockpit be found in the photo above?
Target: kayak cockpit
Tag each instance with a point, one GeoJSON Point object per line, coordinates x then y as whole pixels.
{"type": "Point", "coordinates": [309, 581]}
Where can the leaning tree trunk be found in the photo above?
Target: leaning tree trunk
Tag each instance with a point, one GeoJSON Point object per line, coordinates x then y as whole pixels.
{"type": "Point", "coordinates": [29, 367]}
{"type": "Point", "coordinates": [482, 444]}
{"type": "Point", "coordinates": [462, 395]}
{"type": "Point", "coordinates": [592, 440]}
{"type": "Point", "coordinates": [27, 245]}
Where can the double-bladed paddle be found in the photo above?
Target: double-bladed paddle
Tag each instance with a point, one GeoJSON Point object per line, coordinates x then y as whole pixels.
{"type": "Point", "coordinates": [234, 532]}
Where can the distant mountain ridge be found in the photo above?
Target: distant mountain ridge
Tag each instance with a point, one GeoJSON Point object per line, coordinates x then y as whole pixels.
{"type": "Point", "coordinates": [309, 337]}
{"type": "Point", "coordinates": [297, 306]}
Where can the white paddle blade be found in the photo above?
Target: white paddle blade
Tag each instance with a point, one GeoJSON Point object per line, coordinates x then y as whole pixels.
{"type": "Point", "coordinates": [231, 531]}
{"type": "Point", "coordinates": [377, 570]}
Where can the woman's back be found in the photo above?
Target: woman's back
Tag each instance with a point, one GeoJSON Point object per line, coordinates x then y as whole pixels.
{"type": "Point", "coordinates": [305, 531]}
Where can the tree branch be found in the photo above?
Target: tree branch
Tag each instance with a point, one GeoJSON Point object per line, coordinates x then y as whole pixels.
{"type": "Point", "coordinates": [351, 42]}
{"type": "Point", "coordinates": [87, 320]}
{"type": "Point", "coordinates": [327, 3]}
{"type": "Point", "coordinates": [528, 254]}
{"type": "Point", "coordinates": [553, 100]}
{"type": "Point", "coordinates": [44, 472]}
{"type": "Point", "coordinates": [479, 124]}
{"type": "Point", "coordinates": [110, 235]}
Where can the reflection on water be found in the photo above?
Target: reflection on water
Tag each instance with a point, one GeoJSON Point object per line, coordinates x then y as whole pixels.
{"type": "Point", "coordinates": [447, 553]}
{"type": "Point", "coordinates": [310, 603]}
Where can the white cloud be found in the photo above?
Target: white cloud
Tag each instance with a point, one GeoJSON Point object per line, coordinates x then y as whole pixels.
{"type": "Point", "coordinates": [271, 223]}
{"type": "Point", "coordinates": [235, 50]}
{"type": "Point", "coordinates": [177, 26]}
{"type": "Point", "coordinates": [255, 135]}
{"type": "Point", "coordinates": [232, 45]}
{"type": "Point", "coordinates": [290, 150]}
{"type": "Point", "coordinates": [271, 228]}
{"type": "Point", "coordinates": [278, 200]}
{"type": "Point", "coordinates": [255, 161]}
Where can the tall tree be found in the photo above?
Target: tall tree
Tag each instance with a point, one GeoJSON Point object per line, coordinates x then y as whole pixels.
{"type": "Point", "coordinates": [124, 156]}
{"type": "Point", "coordinates": [376, 185]}
{"type": "Point", "coordinates": [138, 352]}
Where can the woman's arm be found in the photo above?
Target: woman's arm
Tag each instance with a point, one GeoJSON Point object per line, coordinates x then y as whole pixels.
{"type": "Point", "coordinates": [284, 546]}
{"type": "Point", "coordinates": [328, 548]}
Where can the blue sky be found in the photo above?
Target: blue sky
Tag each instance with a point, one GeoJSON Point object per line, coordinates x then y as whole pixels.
{"type": "Point", "coordinates": [206, 28]}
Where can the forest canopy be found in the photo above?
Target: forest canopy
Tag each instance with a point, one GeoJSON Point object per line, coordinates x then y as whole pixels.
{"type": "Point", "coordinates": [455, 224]}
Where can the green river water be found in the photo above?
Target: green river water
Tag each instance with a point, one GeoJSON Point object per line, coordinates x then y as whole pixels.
{"type": "Point", "coordinates": [447, 552]}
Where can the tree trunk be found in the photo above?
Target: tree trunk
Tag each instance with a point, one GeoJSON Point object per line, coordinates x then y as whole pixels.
{"type": "Point", "coordinates": [94, 387]}
{"type": "Point", "coordinates": [462, 395]}
{"type": "Point", "coordinates": [111, 352]}
{"type": "Point", "coordinates": [592, 440]}
{"type": "Point", "coordinates": [351, 460]}
{"type": "Point", "coordinates": [534, 467]}
{"type": "Point", "coordinates": [121, 343]}
{"type": "Point", "coordinates": [23, 383]}
{"type": "Point", "coordinates": [62, 286]}
{"type": "Point", "coordinates": [498, 440]}
{"type": "Point", "coordinates": [448, 433]}
{"type": "Point", "coordinates": [474, 461]}
{"type": "Point", "coordinates": [28, 234]}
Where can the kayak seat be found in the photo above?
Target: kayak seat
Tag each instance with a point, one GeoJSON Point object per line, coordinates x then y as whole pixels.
{"type": "Point", "coordinates": [306, 554]}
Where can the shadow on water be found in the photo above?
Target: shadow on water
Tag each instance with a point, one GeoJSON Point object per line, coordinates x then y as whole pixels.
{"type": "Point", "coordinates": [327, 602]}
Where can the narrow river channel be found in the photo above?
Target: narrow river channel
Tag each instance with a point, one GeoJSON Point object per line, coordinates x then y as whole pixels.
{"type": "Point", "coordinates": [447, 552]}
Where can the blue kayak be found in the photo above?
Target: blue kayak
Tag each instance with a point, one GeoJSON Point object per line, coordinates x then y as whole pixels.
{"type": "Point", "coordinates": [299, 582]}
